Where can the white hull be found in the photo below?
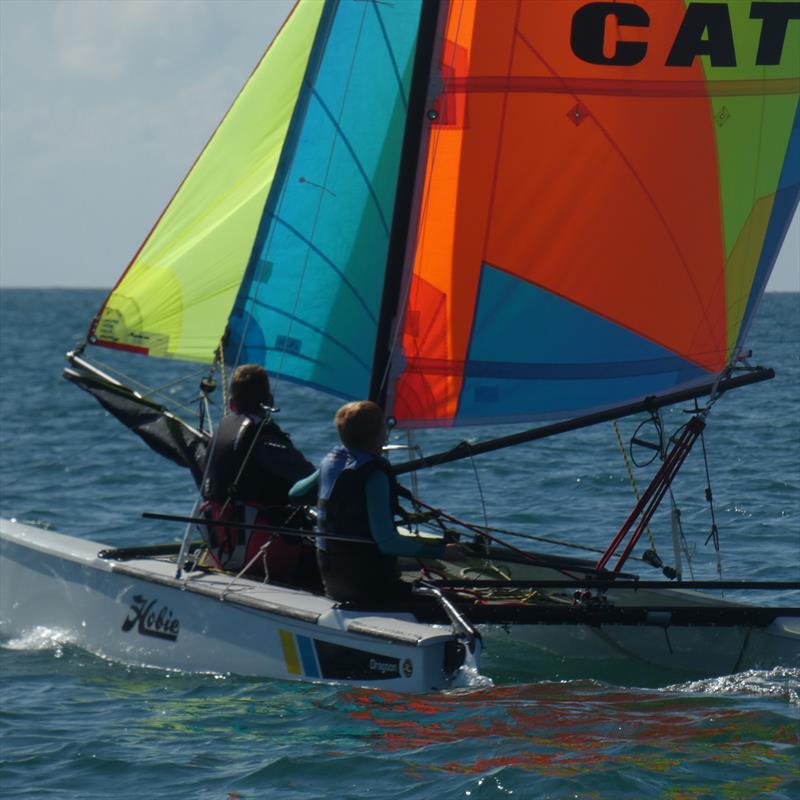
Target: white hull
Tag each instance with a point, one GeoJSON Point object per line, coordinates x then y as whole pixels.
{"type": "Point", "coordinates": [138, 613]}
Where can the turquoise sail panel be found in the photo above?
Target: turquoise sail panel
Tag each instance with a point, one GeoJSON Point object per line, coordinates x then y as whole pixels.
{"type": "Point", "coordinates": [508, 376]}
{"type": "Point", "coordinates": [309, 305]}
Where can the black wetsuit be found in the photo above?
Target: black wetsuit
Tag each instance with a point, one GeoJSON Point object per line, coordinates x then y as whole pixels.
{"type": "Point", "coordinates": [273, 467]}
{"type": "Point", "coordinates": [244, 485]}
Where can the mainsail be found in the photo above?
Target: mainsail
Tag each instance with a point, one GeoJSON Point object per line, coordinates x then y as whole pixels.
{"type": "Point", "coordinates": [485, 210]}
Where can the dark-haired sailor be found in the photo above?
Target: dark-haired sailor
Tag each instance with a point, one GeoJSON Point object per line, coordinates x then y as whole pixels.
{"type": "Point", "coordinates": [358, 496]}
{"type": "Point", "coordinates": [252, 466]}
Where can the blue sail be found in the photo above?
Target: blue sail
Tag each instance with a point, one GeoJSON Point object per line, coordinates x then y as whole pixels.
{"type": "Point", "coordinates": [309, 305]}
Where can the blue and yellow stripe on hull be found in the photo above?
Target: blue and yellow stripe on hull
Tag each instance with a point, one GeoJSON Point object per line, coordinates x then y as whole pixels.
{"type": "Point", "coordinates": [309, 658]}
{"type": "Point", "coordinates": [299, 654]}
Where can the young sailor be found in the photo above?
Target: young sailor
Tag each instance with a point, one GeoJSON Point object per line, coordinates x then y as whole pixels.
{"type": "Point", "coordinates": [252, 466]}
{"type": "Point", "coordinates": [358, 498]}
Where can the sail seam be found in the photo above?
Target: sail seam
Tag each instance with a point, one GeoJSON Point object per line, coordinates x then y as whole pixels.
{"type": "Point", "coordinates": [356, 161]}
{"type": "Point", "coordinates": [647, 194]}
{"type": "Point", "coordinates": [314, 328]}
{"type": "Point", "coordinates": [312, 247]}
{"type": "Point", "coordinates": [265, 234]}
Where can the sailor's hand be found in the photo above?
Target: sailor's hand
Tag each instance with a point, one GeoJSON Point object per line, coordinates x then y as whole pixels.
{"type": "Point", "coordinates": [453, 552]}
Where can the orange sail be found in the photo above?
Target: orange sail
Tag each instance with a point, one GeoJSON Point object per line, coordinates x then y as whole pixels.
{"type": "Point", "coordinates": [583, 226]}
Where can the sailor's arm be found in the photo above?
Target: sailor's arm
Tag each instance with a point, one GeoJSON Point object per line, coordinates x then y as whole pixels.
{"type": "Point", "coordinates": [381, 523]}
{"type": "Point", "coordinates": [306, 486]}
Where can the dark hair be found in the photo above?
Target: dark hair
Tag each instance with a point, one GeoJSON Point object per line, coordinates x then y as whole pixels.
{"type": "Point", "coordinates": [359, 424]}
{"type": "Point", "coordinates": [250, 388]}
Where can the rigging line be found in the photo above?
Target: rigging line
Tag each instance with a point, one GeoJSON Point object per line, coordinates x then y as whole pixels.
{"type": "Point", "coordinates": [159, 389]}
{"type": "Point", "coordinates": [638, 179]}
{"type": "Point", "coordinates": [714, 534]}
{"type": "Point", "coordinates": [223, 379]}
{"type": "Point", "coordinates": [547, 540]}
{"type": "Point", "coordinates": [154, 390]}
{"type": "Point", "coordinates": [480, 488]}
{"type": "Point", "coordinates": [476, 529]}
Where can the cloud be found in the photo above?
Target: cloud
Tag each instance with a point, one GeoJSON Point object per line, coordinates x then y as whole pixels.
{"type": "Point", "coordinates": [103, 39]}
{"type": "Point", "coordinates": [105, 106]}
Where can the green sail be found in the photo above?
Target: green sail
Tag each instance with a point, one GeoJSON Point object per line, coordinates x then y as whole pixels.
{"type": "Point", "coordinates": [175, 297]}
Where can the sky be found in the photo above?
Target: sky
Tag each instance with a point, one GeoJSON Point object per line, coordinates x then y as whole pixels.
{"type": "Point", "coordinates": [105, 104]}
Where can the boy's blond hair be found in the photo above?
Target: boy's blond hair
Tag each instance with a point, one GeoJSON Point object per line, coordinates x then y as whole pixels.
{"type": "Point", "coordinates": [359, 424]}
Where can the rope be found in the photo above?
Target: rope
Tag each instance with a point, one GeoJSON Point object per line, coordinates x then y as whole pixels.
{"type": "Point", "coordinates": [153, 390]}
{"type": "Point", "coordinates": [223, 378]}
{"type": "Point", "coordinates": [714, 534]}
{"type": "Point", "coordinates": [631, 478]}
{"type": "Point", "coordinates": [480, 488]}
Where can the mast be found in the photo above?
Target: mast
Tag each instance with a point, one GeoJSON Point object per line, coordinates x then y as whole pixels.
{"type": "Point", "coordinates": [404, 195]}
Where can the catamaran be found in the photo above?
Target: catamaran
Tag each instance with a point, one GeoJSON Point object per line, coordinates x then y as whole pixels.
{"type": "Point", "coordinates": [472, 212]}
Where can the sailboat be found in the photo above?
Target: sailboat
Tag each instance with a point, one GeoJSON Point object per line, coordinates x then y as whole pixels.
{"type": "Point", "coordinates": [472, 212]}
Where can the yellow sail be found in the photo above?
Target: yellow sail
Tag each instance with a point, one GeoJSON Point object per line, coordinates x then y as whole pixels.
{"type": "Point", "coordinates": [175, 297]}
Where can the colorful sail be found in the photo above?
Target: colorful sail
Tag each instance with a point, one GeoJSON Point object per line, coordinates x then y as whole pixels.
{"type": "Point", "coordinates": [310, 303]}
{"type": "Point", "coordinates": [567, 207]}
{"type": "Point", "coordinates": [175, 297]}
{"type": "Point", "coordinates": [605, 191]}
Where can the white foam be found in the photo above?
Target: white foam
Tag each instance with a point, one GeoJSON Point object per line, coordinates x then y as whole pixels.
{"type": "Point", "coordinates": [41, 638]}
{"type": "Point", "coordinates": [469, 676]}
{"type": "Point", "coordinates": [776, 682]}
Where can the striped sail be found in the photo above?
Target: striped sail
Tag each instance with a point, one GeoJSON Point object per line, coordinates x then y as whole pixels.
{"type": "Point", "coordinates": [571, 206]}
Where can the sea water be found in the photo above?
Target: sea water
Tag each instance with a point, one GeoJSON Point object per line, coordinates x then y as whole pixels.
{"type": "Point", "coordinates": [77, 726]}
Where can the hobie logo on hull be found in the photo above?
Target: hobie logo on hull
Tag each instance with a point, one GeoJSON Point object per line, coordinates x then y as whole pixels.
{"type": "Point", "coordinates": [160, 623]}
